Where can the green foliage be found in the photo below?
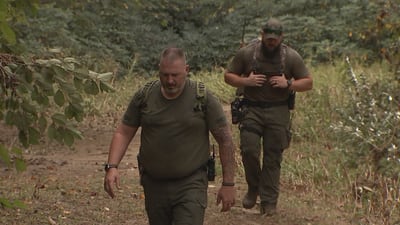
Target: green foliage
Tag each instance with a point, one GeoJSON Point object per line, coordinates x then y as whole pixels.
{"type": "Point", "coordinates": [17, 159]}
{"type": "Point", "coordinates": [13, 10]}
{"type": "Point", "coordinates": [368, 134]}
{"type": "Point", "coordinates": [371, 122]}
{"type": "Point", "coordinates": [133, 32]}
{"type": "Point", "coordinates": [198, 26]}
{"type": "Point", "coordinates": [11, 204]}
{"type": "Point", "coordinates": [42, 97]}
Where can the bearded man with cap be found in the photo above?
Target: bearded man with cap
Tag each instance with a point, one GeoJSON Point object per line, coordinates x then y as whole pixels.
{"type": "Point", "coordinates": [268, 72]}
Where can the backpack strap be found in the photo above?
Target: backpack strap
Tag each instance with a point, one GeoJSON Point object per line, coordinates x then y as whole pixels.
{"type": "Point", "coordinates": [149, 85]}
{"type": "Point", "coordinates": [201, 97]}
{"type": "Point", "coordinates": [146, 89]}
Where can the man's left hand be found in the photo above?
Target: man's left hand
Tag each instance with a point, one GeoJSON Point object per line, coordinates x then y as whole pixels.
{"type": "Point", "coordinates": [226, 195]}
{"type": "Point", "coordinates": [278, 81]}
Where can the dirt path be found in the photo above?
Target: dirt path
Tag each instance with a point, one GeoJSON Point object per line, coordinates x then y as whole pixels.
{"type": "Point", "coordinates": [65, 186]}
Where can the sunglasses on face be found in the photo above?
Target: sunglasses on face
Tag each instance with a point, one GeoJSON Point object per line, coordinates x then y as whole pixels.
{"type": "Point", "coordinates": [272, 31]}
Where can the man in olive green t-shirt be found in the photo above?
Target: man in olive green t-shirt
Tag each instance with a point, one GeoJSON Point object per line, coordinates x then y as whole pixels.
{"type": "Point", "coordinates": [267, 72]}
{"type": "Point", "coordinates": [174, 147]}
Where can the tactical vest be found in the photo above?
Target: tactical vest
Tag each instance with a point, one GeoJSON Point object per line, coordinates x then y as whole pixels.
{"type": "Point", "coordinates": [257, 42]}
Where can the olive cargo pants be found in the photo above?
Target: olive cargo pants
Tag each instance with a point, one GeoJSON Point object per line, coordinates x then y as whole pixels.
{"type": "Point", "coordinates": [177, 201]}
{"type": "Point", "coordinates": [268, 126]}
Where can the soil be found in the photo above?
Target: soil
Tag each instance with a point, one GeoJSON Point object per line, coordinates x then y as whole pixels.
{"type": "Point", "coordinates": [65, 186]}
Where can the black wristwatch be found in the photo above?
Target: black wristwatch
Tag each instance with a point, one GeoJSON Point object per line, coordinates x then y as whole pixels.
{"type": "Point", "coordinates": [289, 83]}
{"type": "Point", "coordinates": [108, 166]}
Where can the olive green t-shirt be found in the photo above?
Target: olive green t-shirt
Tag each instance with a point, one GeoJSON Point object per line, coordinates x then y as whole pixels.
{"type": "Point", "coordinates": [174, 136]}
{"type": "Point", "coordinates": [243, 64]}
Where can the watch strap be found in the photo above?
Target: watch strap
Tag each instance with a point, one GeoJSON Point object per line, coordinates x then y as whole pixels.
{"type": "Point", "coordinates": [289, 83]}
{"type": "Point", "coordinates": [108, 166]}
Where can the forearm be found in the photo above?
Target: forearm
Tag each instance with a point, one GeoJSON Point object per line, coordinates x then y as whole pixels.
{"type": "Point", "coordinates": [119, 143]}
{"type": "Point", "coordinates": [303, 84]}
{"type": "Point", "coordinates": [226, 152]}
{"type": "Point", "coordinates": [227, 157]}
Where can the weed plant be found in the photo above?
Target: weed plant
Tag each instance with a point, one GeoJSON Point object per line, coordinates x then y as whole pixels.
{"type": "Point", "coordinates": [369, 134]}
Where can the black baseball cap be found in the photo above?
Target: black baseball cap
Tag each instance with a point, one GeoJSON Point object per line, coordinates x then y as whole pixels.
{"type": "Point", "coordinates": [273, 28]}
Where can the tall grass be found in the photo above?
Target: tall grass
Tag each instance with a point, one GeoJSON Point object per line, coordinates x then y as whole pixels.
{"type": "Point", "coordinates": [346, 138]}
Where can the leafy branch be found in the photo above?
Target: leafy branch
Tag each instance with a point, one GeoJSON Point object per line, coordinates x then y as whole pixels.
{"type": "Point", "coordinates": [43, 97]}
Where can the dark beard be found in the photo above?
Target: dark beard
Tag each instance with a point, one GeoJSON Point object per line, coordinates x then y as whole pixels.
{"type": "Point", "coordinates": [270, 54]}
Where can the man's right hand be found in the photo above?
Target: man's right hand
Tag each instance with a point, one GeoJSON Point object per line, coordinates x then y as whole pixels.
{"type": "Point", "coordinates": [112, 178]}
{"type": "Point", "coordinates": [256, 80]}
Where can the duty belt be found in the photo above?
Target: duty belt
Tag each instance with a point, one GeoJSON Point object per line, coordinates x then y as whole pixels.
{"type": "Point", "coordinates": [263, 104]}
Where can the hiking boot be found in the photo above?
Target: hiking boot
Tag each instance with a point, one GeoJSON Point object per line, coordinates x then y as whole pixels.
{"type": "Point", "coordinates": [267, 209]}
{"type": "Point", "coordinates": [249, 200]}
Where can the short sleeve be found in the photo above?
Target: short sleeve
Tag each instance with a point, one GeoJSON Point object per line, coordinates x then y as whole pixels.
{"type": "Point", "coordinates": [298, 68]}
{"type": "Point", "coordinates": [131, 116]}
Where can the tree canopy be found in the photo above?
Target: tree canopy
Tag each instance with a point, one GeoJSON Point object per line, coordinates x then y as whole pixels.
{"type": "Point", "coordinates": [133, 32]}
